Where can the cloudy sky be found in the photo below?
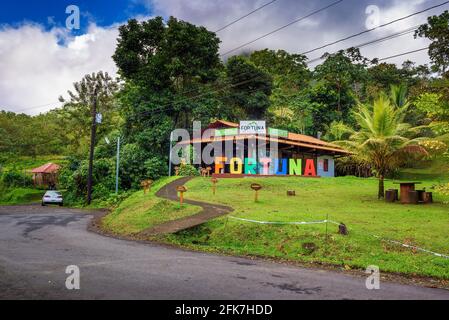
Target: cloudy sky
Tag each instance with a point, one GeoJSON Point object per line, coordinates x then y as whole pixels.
{"type": "Point", "coordinates": [40, 58]}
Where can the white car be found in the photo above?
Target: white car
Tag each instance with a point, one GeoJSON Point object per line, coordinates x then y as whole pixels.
{"type": "Point", "coordinates": [52, 197]}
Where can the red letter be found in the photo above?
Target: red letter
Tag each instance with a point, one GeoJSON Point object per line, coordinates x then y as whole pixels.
{"type": "Point", "coordinates": [310, 168]}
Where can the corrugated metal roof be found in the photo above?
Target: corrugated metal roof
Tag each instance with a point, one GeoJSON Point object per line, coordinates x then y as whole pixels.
{"type": "Point", "coordinates": [293, 138]}
{"type": "Point", "coordinates": [329, 147]}
{"type": "Point", "coordinates": [46, 168]}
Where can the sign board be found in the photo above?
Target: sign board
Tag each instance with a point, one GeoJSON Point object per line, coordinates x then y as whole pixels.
{"type": "Point", "coordinates": [278, 132]}
{"type": "Point", "coordinates": [252, 127]}
{"type": "Point", "coordinates": [98, 118]}
{"type": "Point", "coordinates": [226, 132]}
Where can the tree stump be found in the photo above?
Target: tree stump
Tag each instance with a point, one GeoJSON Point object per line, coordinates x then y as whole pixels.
{"type": "Point", "coordinates": [342, 229]}
{"type": "Point", "coordinates": [427, 197]}
{"type": "Point", "coordinates": [391, 195]}
{"type": "Point", "coordinates": [413, 197]}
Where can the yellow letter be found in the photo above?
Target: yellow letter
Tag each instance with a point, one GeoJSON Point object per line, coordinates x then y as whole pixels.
{"type": "Point", "coordinates": [239, 166]}
{"type": "Point", "coordinates": [219, 164]}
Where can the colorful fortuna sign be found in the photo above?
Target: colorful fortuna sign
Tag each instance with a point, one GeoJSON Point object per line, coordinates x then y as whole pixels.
{"type": "Point", "coordinates": [266, 166]}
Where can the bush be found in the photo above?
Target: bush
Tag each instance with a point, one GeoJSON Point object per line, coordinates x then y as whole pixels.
{"type": "Point", "coordinates": [132, 166]}
{"type": "Point", "coordinates": [75, 181]}
{"type": "Point", "coordinates": [443, 189]}
{"type": "Point", "coordinates": [188, 170]}
{"type": "Point", "coordinates": [155, 168]}
{"type": "Point", "coordinates": [136, 165]}
{"type": "Point", "coordinates": [434, 147]}
{"type": "Point", "coordinates": [14, 179]}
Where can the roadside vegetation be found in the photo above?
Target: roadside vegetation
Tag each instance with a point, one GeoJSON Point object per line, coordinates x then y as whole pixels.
{"type": "Point", "coordinates": [16, 185]}
{"type": "Point", "coordinates": [20, 196]}
{"type": "Point", "coordinates": [141, 211]}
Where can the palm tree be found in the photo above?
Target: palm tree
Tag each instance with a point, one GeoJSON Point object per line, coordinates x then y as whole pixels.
{"type": "Point", "coordinates": [382, 140]}
{"type": "Point", "coordinates": [398, 96]}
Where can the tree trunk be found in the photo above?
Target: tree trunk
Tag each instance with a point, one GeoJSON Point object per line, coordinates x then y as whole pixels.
{"type": "Point", "coordinates": [381, 192]}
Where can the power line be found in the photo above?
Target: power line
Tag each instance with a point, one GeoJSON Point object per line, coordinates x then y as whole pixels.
{"type": "Point", "coordinates": [164, 107]}
{"type": "Point", "coordinates": [246, 15]}
{"type": "Point", "coordinates": [35, 107]}
{"type": "Point", "coordinates": [372, 29]}
{"type": "Point", "coordinates": [378, 40]}
{"type": "Point", "coordinates": [337, 41]}
{"type": "Point", "coordinates": [317, 11]}
{"type": "Point", "coordinates": [284, 26]}
{"type": "Point", "coordinates": [278, 29]}
{"type": "Point", "coordinates": [402, 54]}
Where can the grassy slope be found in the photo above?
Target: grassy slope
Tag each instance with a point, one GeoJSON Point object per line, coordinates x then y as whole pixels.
{"type": "Point", "coordinates": [20, 196]}
{"type": "Point", "coordinates": [27, 163]}
{"type": "Point", "coordinates": [140, 211]}
{"type": "Point", "coordinates": [346, 199]}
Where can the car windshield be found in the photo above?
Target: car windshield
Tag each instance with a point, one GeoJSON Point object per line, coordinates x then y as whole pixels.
{"type": "Point", "coordinates": [53, 193]}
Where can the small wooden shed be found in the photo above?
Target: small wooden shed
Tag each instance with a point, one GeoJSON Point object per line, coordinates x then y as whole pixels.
{"type": "Point", "coordinates": [46, 175]}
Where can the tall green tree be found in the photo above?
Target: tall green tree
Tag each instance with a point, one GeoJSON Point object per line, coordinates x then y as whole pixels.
{"type": "Point", "coordinates": [290, 76]}
{"type": "Point", "coordinates": [345, 71]}
{"type": "Point", "coordinates": [165, 66]}
{"type": "Point", "coordinates": [76, 114]}
{"type": "Point", "coordinates": [249, 87]}
{"type": "Point", "coordinates": [437, 30]}
{"type": "Point", "coordinates": [338, 83]}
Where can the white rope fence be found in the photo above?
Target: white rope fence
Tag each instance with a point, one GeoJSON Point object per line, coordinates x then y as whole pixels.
{"type": "Point", "coordinates": [282, 222]}
{"type": "Point", "coordinates": [334, 222]}
{"type": "Point", "coordinates": [411, 247]}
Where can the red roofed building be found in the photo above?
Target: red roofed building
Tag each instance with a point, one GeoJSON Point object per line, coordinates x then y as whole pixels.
{"type": "Point", "coordinates": [46, 175]}
{"type": "Point", "coordinates": [309, 150]}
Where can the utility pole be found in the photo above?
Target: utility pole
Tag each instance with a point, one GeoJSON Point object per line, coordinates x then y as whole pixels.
{"type": "Point", "coordinates": [92, 146]}
{"type": "Point", "coordinates": [117, 166]}
{"type": "Point", "coordinates": [169, 155]}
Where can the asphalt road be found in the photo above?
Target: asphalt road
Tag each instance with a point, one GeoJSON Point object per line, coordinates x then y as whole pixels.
{"type": "Point", "coordinates": [37, 244]}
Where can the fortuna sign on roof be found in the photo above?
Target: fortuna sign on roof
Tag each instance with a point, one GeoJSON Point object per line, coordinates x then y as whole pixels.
{"type": "Point", "coordinates": [252, 127]}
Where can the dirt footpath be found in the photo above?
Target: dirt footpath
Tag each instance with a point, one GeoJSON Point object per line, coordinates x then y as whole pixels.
{"type": "Point", "coordinates": [208, 212]}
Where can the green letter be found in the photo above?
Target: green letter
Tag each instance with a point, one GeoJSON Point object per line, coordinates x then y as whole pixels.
{"type": "Point", "coordinates": [295, 167]}
{"type": "Point", "coordinates": [250, 168]}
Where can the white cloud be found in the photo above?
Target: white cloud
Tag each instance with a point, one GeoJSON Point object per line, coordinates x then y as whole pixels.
{"type": "Point", "coordinates": [335, 23]}
{"type": "Point", "coordinates": [39, 65]}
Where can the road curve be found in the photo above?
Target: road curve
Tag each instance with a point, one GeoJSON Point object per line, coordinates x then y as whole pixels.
{"type": "Point", "coordinates": [37, 244]}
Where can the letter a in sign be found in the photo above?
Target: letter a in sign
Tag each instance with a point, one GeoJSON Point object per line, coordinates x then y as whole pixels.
{"type": "Point", "coordinates": [309, 170]}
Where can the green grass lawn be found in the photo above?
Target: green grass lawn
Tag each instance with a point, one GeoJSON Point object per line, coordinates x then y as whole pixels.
{"type": "Point", "coordinates": [140, 211]}
{"type": "Point", "coordinates": [20, 196]}
{"type": "Point", "coordinates": [345, 199]}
